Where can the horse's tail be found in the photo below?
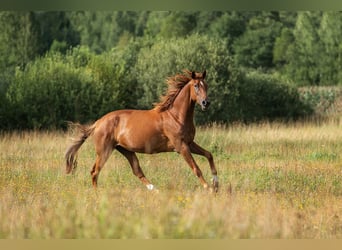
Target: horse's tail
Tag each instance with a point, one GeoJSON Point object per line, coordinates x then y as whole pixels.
{"type": "Point", "coordinates": [71, 153]}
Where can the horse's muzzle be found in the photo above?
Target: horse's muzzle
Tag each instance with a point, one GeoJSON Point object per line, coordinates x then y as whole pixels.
{"type": "Point", "coordinates": [205, 104]}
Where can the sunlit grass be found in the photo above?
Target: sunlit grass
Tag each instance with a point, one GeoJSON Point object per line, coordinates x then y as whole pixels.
{"type": "Point", "coordinates": [277, 181]}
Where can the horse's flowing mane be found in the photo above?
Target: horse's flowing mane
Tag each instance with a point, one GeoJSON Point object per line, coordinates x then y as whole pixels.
{"type": "Point", "coordinates": [175, 85]}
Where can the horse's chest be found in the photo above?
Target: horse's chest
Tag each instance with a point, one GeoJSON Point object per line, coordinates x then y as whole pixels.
{"type": "Point", "coordinates": [188, 133]}
{"type": "Point", "coordinates": [177, 132]}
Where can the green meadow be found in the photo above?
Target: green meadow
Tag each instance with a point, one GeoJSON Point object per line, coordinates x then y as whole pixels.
{"type": "Point", "coordinates": [276, 181]}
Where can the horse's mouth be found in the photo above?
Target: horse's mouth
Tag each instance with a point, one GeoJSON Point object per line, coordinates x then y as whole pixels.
{"type": "Point", "coordinates": [204, 108]}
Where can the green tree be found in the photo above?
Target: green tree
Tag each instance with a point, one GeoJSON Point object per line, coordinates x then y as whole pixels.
{"type": "Point", "coordinates": [229, 26]}
{"type": "Point", "coordinates": [102, 30]}
{"type": "Point", "coordinates": [178, 24]}
{"type": "Point", "coordinates": [330, 58]}
{"type": "Point", "coordinates": [303, 66]}
{"type": "Point", "coordinates": [288, 18]}
{"type": "Point", "coordinates": [282, 46]}
{"type": "Point", "coordinates": [25, 35]}
{"type": "Point", "coordinates": [254, 48]}
{"type": "Point", "coordinates": [54, 29]}
{"type": "Point", "coordinates": [18, 45]}
{"type": "Point", "coordinates": [153, 23]}
{"type": "Point", "coordinates": [98, 30]}
{"type": "Point", "coordinates": [18, 40]}
{"type": "Point", "coordinates": [204, 19]}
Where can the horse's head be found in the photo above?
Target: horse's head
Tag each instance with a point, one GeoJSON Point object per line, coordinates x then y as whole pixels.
{"type": "Point", "coordinates": [199, 89]}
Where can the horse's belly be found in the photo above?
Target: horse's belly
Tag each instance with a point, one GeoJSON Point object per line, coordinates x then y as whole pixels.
{"type": "Point", "coordinates": [146, 143]}
{"type": "Point", "coordinates": [141, 131]}
{"type": "Point", "coordinates": [155, 146]}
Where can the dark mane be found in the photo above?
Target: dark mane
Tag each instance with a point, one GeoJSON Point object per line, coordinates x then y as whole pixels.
{"type": "Point", "coordinates": [175, 83]}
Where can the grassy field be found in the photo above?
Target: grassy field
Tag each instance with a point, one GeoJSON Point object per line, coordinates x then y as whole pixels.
{"type": "Point", "coordinates": [277, 181]}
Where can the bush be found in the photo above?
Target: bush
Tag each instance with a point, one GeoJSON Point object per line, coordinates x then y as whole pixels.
{"type": "Point", "coordinates": [5, 109]}
{"type": "Point", "coordinates": [50, 91]}
{"type": "Point", "coordinates": [263, 96]}
{"type": "Point", "coordinates": [79, 86]}
{"type": "Point", "coordinates": [82, 86]}
{"type": "Point", "coordinates": [323, 100]}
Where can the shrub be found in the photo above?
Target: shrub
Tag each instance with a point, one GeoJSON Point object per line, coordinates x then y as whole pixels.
{"type": "Point", "coordinates": [263, 96]}
{"type": "Point", "coordinates": [5, 109]}
{"type": "Point", "coordinates": [50, 91]}
{"type": "Point", "coordinates": [323, 100]}
{"type": "Point", "coordinates": [79, 86]}
{"type": "Point", "coordinates": [82, 86]}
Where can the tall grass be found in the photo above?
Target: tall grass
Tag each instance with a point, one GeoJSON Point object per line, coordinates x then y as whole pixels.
{"type": "Point", "coordinates": [277, 181]}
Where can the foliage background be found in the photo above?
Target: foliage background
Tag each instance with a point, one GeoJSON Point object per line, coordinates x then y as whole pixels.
{"type": "Point", "coordinates": [58, 66]}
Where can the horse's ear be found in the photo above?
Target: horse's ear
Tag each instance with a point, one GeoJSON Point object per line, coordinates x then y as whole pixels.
{"type": "Point", "coordinates": [193, 74]}
{"type": "Point", "coordinates": [204, 74]}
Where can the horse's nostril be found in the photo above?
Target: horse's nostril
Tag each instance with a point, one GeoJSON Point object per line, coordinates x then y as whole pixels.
{"type": "Point", "coordinates": [205, 103]}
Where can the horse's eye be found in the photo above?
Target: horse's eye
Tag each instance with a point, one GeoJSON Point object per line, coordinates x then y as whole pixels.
{"type": "Point", "coordinates": [196, 86]}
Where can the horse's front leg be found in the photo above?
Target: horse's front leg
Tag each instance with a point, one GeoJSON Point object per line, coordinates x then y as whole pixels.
{"type": "Point", "coordinates": [186, 153]}
{"type": "Point", "coordinates": [196, 149]}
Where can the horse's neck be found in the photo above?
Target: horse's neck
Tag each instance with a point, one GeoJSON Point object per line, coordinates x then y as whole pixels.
{"type": "Point", "coordinates": [183, 107]}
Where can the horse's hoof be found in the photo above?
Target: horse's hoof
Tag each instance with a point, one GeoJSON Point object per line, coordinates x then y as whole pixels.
{"type": "Point", "coordinates": [214, 189]}
{"type": "Point", "coordinates": [215, 184]}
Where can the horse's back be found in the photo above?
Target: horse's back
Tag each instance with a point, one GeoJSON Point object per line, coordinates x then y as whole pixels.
{"type": "Point", "coordinates": [135, 130]}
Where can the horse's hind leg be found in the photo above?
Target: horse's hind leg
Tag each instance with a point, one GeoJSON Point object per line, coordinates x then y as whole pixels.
{"type": "Point", "coordinates": [101, 159]}
{"type": "Point", "coordinates": [134, 162]}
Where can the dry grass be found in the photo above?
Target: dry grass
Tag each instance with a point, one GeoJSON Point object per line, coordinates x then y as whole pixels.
{"type": "Point", "coordinates": [277, 181]}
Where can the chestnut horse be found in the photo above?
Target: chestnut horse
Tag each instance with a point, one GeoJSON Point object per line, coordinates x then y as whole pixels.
{"type": "Point", "coordinates": [167, 127]}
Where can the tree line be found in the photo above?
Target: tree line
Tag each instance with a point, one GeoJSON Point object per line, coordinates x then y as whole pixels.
{"type": "Point", "coordinates": [58, 66]}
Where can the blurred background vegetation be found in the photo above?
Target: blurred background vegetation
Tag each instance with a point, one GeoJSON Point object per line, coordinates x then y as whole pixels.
{"type": "Point", "coordinates": [76, 66]}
